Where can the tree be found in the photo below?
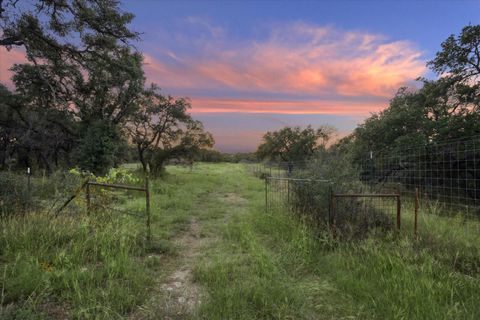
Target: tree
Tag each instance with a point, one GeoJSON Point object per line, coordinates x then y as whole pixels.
{"type": "Point", "coordinates": [162, 129]}
{"type": "Point", "coordinates": [31, 135]}
{"type": "Point", "coordinates": [82, 70]}
{"type": "Point", "coordinates": [410, 132]}
{"type": "Point", "coordinates": [98, 148]}
{"type": "Point", "coordinates": [293, 143]}
{"type": "Point", "coordinates": [442, 109]}
{"type": "Point", "coordinates": [460, 56]}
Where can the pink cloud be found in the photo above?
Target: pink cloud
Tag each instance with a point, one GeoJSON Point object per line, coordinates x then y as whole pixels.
{"type": "Point", "coordinates": [296, 59]}
{"type": "Point", "coordinates": [206, 105]}
{"type": "Point", "coordinates": [7, 60]}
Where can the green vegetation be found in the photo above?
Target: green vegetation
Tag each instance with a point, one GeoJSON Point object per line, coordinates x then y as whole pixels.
{"type": "Point", "coordinates": [81, 101]}
{"type": "Point", "coordinates": [82, 95]}
{"type": "Point", "coordinates": [440, 110]}
{"type": "Point", "coordinates": [244, 263]}
{"type": "Point", "coordinates": [294, 144]}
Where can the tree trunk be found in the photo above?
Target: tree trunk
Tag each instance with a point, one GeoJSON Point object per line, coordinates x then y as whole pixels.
{"type": "Point", "coordinates": [141, 157]}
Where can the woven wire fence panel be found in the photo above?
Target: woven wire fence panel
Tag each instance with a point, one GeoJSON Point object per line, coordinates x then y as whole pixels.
{"type": "Point", "coordinates": [446, 174]}
{"type": "Point", "coordinates": [305, 197]}
{"type": "Point", "coordinates": [352, 212]}
{"type": "Point", "coordinates": [283, 169]}
{"type": "Point", "coordinates": [20, 192]}
{"type": "Point", "coordinates": [114, 201]}
{"type": "Point", "coordinates": [354, 215]}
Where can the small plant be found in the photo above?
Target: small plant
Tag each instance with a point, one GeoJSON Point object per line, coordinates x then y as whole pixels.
{"type": "Point", "coordinates": [104, 197]}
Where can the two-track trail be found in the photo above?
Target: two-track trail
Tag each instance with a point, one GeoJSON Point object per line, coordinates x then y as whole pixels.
{"type": "Point", "coordinates": [233, 260]}
{"type": "Point", "coordinates": [176, 294]}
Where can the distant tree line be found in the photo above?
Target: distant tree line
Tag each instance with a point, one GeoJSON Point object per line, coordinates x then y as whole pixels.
{"type": "Point", "coordinates": [211, 155]}
{"type": "Point", "coordinates": [293, 144]}
{"type": "Point", "coordinates": [82, 99]}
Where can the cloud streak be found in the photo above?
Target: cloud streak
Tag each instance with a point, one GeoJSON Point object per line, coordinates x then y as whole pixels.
{"type": "Point", "coordinates": [207, 105]}
{"type": "Point", "coordinates": [296, 60]}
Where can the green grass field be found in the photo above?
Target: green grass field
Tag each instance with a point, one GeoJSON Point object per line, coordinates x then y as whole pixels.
{"type": "Point", "coordinates": [216, 254]}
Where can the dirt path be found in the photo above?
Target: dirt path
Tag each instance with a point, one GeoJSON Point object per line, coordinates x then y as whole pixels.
{"type": "Point", "coordinates": [182, 295]}
{"type": "Point", "coordinates": [176, 295]}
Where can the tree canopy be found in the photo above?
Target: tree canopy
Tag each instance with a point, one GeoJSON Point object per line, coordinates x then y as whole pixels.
{"type": "Point", "coordinates": [82, 86]}
{"type": "Point", "coordinates": [442, 109]}
{"type": "Point", "coordinates": [162, 128]}
{"type": "Point", "coordinates": [293, 143]}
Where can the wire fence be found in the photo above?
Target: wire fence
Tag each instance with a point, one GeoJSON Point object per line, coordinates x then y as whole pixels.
{"type": "Point", "coordinates": [21, 192]}
{"type": "Point", "coordinates": [355, 214]}
{"type": "Point", "coordinates": [278, 169]}
{"type": "Point", "coordinates": [441, 178]}
{"type": "Point", "coordinates": [106, 197]}
{"type": "Point", "coordinates": [300, 195]}
{"type": "Point", "coordinates": [446, 174]}
{"type": "Point", "coordinates": [348, 213]}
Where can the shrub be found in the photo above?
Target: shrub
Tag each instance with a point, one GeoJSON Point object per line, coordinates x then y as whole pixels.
{"type": "Point", "coordinates": [331, 172]}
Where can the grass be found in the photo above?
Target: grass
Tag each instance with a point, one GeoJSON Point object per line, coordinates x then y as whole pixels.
{"type": "Point", "coordinates": [272, 266]}
{"type": "Point", "coordinates": [256, 265]}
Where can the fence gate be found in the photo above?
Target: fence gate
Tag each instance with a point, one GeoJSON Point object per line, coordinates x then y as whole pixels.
{"type": "Point", "coordinates": [364, 210]}
{"type": "Point", "coordinates": [145, 189]}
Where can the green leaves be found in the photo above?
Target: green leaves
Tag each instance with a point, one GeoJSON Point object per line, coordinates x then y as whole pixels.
{"type": "Point", "coordinates": [293, 143]}
{"type": "Point", "coordinates": [460, 56]}
{"type": "Point", "coordinates": [442, 109]}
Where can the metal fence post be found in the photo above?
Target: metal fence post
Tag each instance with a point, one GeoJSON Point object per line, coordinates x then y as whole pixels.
{"type": "Point", "coordinates": [415, 226]}
{"type": "Point", "coordinates": [399, 208]}
{"type": "Point", "coordinates": [288, 193]}
{"type": "Point", "coordinates": [87, 191]}
{"type": "Point", "coordinates": [330, 192]}
{"type": "Point", "coordinates": [29, 183]}
{"type": "Point", "coordinates": [334, 215]}
{"type": "Point", "coordinates": [266, 195]}
{"type": "Point", "coordinates": [29, 189]}
{"type": "Point", "coordinates": [147, 209]}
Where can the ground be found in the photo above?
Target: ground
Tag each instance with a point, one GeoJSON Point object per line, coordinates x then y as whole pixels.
{"type": "Point", "coordinates": [235, 261]}
{"type": "Point", "coordinates": [216, 254]}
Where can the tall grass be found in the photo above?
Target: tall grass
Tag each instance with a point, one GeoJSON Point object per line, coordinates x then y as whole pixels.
{"type": "Point", "coordinates": [275, 266]}
{"type": "Point", "coordinates": [85, 263]}
{"type": "Point", "coordinates": [256, 265]}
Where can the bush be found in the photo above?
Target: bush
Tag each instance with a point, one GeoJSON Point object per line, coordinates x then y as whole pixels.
{"type": "Point", "coordinates": [99, 147]}
{"type": "Point", "coordinates": [16, 198]}
{"type": "Point", "coordinates": [331, 172]}
{"type": "Point", "coordinates": [14, 195]}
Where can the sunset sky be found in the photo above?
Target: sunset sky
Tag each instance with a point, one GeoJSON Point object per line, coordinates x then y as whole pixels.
{"type": "Point", "coordinates": [250, 66]}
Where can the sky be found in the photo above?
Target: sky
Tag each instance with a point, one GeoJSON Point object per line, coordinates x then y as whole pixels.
{"type": "Point", "coordinates": [254, 66]}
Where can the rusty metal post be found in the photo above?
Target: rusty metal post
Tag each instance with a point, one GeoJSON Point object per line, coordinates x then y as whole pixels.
{"type": "Point", "coordinates": [29, 183]}
{"type": "Point", "coordinates": [266, 195]}
{"type": "Point", "coordinates": [334, 215]}
{"type": "Point", "coordinates": [415, 226]}
{"type": "Point", "coordinates": [87, 191]}
{"type": "Point", "coordinates": [330, 193]}
{"type": "Point", "coordinates": [29, 186]}
{"type": "Point", "coordinates": [288, 193]}
{"type": "Point", "coordinates": [147, 209]}
{"type": "Point", "coordinates": [399, 209]}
